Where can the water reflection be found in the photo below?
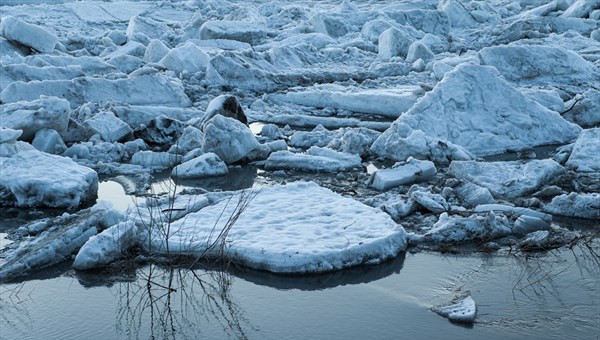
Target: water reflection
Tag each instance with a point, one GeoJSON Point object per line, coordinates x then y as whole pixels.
{"type": "Point", "coordinates": [174, 303]}
{"type": "Point", "coordinates": [350, 276]}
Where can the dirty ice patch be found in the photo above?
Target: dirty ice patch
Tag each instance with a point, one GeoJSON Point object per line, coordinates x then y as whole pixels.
{"type": "Point", "coordinates": [468, 107]}
{"type": "Point", "coordinates": [507, 179]}
{"type": "Point", "coordinates": [295, 228]}
{"type": "Point", "coordinates": [585, 156]}
{"type": "Point", "coordinates": [34, 178]}
{"type": "Point", "coordinates": [575, 205]}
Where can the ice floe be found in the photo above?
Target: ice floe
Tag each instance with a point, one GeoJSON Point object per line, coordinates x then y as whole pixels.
{"type": "Point", "coordinates": [585, 156]}
{"type": "Point", "coordinates": [461, 309]}
{"type": "Point", "coordinates": [34, 36]}
{"type": "Point", "coordinates": [508, 179]}
{"type": "Point", "coordinates": [469, 108]}
{"type": "Point", "coordinates": [576, 205]}
{"type": "Point", "coordinates": [206, 165]}
{"type": "Point", "coordinates": [50, 241]}
{"type": "Point", "coordinates": [37, 179]}
{"type": "Point", "coordinates": [31, 116]}
{"type": "Point", "coordinates": [104, 248]}
{"type": "Point", "coordinates": [230, 139]}
{"type": "Point", "coordinates": [412, 171]}
{"type": "Point", "coordinates": [296, 228]}
{"type": "Point", "coordinates": [316, 159]}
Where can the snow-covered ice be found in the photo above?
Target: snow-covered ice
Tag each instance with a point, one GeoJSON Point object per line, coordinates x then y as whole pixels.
{"type": "Point", "coordinates": [462, 309]}
{"type": "Point", "coordinates": [107, 246]}
{"type": "Point", "coordinates": [31, 116]}
{"type": "Point", "coordinates": [469, 108]}
{"type": "Point", "coordinates": [206, 165]}
{"type": "Point", "coordinates": [296, 228]}
{"type": "Point", "coordinates": [316, 159]}
{"type": "Point", "coordinates": [585, 156]}
{"type": "Point", "coordinates": [37, 179]}
{"type": "Point", "coordinates": [34, 36]}
{"type": "Point", "coordinates": [412, 171]}
{"type": "Point", "coordinates": [508, 179]}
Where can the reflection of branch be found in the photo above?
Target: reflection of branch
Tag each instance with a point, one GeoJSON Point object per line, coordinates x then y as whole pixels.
{"type": "Point", "coordinates": [538, 273]}
{"type": "Point", "coordinates": [11, 315]}
{"type": "Point", "coordinates": [174, 302]}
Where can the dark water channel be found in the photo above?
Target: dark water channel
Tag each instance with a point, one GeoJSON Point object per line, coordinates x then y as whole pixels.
{"type": "Point", "coordinates": [552, 295]}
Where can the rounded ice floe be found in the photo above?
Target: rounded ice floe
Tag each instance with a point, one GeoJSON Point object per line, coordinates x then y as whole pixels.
{"type": "Point", "coordinates": [295, 228]}
{"type": "Point", "coordinates": [8, 135]}
{"type": "Point", "coordinates": [49, 141]}
{"type": "Point", "coordinates": [33, 178]}
{"type": "Point", "coordinates": [205, 165]}
{"type": "Point", "coordinates": [33, 36]}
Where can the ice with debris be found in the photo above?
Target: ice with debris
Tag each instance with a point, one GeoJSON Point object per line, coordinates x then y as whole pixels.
{"type": "Point", "coordinates": [585, 156]}
{"type": "Point", "coordinates": [412, 171]}
{"type": "Point", "coordinates": [584, 109]}
{"type": "Point", "coordinates": [469, 108]}
{"type": "Point", "coordinates": [582, 205]}
{"type": "Point", "coordinates": [316, 159]}
{"type": "Point", "coordinates": [294, 228]}
{"type": "Point", "coordinates": [507, 179]}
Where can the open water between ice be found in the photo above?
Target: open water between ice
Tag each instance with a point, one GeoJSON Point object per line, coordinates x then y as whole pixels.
{"type": "Point", "coordinates": [550, 295]}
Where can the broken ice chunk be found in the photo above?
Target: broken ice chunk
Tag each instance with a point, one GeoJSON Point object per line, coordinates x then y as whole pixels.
{"type": "Point", "coordinates": [461, 309]}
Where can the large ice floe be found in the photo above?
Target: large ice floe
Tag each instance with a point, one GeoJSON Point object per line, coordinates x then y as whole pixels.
{"type": "Point", "coordinates": [296, 228]}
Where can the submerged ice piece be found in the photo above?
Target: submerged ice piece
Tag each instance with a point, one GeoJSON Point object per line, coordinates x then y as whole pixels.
{"type": "Point", "coordinates": [461, 309]}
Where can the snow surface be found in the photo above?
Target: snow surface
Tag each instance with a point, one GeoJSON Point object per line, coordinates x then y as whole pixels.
{"type": "Point", "coordinates": [296, 228]}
